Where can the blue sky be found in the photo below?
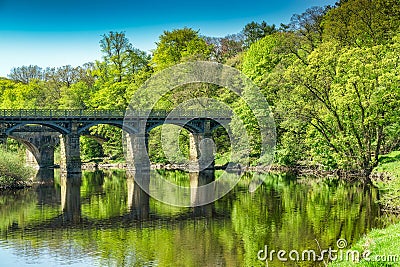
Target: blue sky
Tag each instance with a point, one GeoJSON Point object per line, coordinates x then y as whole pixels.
{"type": "Point", "coordinates": [60, 32]}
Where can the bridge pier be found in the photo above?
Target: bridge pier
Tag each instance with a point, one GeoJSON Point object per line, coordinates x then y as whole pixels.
{"type": "Point", "coordinates": [30, 158]}
{"type": "Point", "coordinates": [45, 175]}
{"type": "Point", "coordinates": [42, 156]}
{"type": "Point", "coordinates": [70, 152]}
{"type": "Point", "coordinates": [136, 151]}
{"type": "Point", "coordinates": [202, 149]}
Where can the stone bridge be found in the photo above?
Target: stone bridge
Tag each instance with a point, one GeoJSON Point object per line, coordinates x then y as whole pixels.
{"type": "Point", "coordinates": [31, 127]}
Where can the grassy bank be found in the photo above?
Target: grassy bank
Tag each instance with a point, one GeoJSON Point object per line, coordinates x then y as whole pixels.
{"type": "Point", "coordinates": [389, 182]}
{"type": "Point", "coordinates": [384, 244]}
{"type": "Point", "coordinates": [13, 172]}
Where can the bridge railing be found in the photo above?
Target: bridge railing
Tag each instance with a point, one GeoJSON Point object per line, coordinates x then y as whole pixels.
{"type": "Point", "coordinates": [72, 113]}
{"type": "Point", "coordinates": [59, 113]}
{"type": "Point", "coordinates": [181, 114]}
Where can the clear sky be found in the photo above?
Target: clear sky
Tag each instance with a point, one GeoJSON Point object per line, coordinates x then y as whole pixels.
{"type": "Point", "coordinates": [53, 33]}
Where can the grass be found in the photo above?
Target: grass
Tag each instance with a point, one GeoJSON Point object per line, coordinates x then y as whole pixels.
{"type": "Point", "coordinates": [222, 159]}
{"type": "Point", "coordinates": [13, 172]}
{"type": "Point", "coordinates": [383, 242]}
{"type": "Point", "coordinates": [390, 187]}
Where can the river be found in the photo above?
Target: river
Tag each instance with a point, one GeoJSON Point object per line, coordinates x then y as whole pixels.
{"type": "Point", "coordinates": [106, 221]}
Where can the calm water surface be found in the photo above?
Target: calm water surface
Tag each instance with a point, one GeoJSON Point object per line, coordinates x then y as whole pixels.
{"type": "Point", "coordinates": [105, 220]}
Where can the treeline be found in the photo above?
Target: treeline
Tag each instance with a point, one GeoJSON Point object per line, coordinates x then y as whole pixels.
{"type": "Point", "coordinates": [331, 77]}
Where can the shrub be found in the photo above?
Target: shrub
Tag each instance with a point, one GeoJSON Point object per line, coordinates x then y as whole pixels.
{"type": "Point", "coordinates": [13, 172]}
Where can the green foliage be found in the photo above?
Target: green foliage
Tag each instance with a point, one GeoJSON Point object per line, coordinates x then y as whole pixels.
{"type": "Point", "coordinates": [349, 97]}
{"type": "Point", "coordinates": [261, 58]}
{"type": "Point", "coordinates": [255, 31]}
{"type": "Point", "coordinates": [112, 145]}
{"type": "Point", "coordinates": [13, 172]}
{"type": "Point", "coordinates": [19, 95]}
{"type": "Point", "coordinates": [389, 165]}
{"type": "Point", "coordinates": [179, 45]}
{"type": "Point", "coordinates": [292, 144]}
{"type": "Point", "coordinates": [90, 149]}
{"type": "Point", "coordinates": [75, 96]}
{"type": "Point", "coordinates": [265, 62]}
{"type": "Point", "coordinates": [163, 140]}
{"type": "Point", "coordinates": [121, 60]}
{"type": "Point", "coordinates": [100, 98]}
{"type": "Point", "coordinates": [363, 22]}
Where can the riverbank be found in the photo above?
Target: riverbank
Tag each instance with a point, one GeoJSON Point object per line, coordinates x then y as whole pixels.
{"type": "Point", "coordinates": [298, 170]}
{"type": "Point", "coordinates": [389, 181]}
{"type": "Point", "coordinates": [13, 172]}
{"type": "Point", "coordinates": [384, 244]}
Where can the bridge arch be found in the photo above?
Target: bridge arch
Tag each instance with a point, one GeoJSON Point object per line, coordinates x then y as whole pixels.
{"type": "Point", "coordinates": [40, 146]}
{"type": "Point", "coordinates": [216, 126]}
{"type": "Point", "coordinates": [118, 124]}
{"type": "Point", "coordinates": [30, 146]}
{"type": "Point", "coordinates": [191, 128]}
{"type": "Point", "coordinates": [54, 126]}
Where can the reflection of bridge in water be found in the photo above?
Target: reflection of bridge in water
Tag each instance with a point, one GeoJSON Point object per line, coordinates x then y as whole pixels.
{"type": "Point", "coordinates": [137, 200]}
{"type": "Point", "coordinates": [68, 125]}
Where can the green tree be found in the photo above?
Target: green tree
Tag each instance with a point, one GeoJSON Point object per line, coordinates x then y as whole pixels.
{"type": "Point", "coordinates": [121, 60]}
{"type": "Point", "coordinates": [17, 95]}
{"type": "Point", "coordinates": [179, 45]}
{"type": "Point", "coordinates": [349, 99]}
{"type": "Point", "coordinates": [255, 31]}
{"type": "Point", "coordinates": [76, 96]}
{"type": "Point", "coordinates": [115, 47]}
{"type": "Point", "coordinates": [261, 59]}
{"type": "Point", "coordinates": [363, 22]}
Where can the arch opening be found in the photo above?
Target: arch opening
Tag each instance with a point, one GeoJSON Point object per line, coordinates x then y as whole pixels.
{"type": "Point", "coordinates": [40, 143]}
{"type": "Point", "coordinates": [177, 147]}
{"type": "Point", "coordinates": [169, 144]}
{"type": "Point", "coordinates": [103, 142]}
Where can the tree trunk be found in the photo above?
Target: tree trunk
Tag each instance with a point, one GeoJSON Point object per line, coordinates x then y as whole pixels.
{"type": "Point", "coordinates": [367, 175]}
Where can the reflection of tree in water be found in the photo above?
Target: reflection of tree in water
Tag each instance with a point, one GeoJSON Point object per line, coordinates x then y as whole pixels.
{"type": "Point", "coordinates": [288, 215]}
{"type": "Point", "coordinates": [21, 208]}
{"type": "Point", "coordinates": [12, 205]}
